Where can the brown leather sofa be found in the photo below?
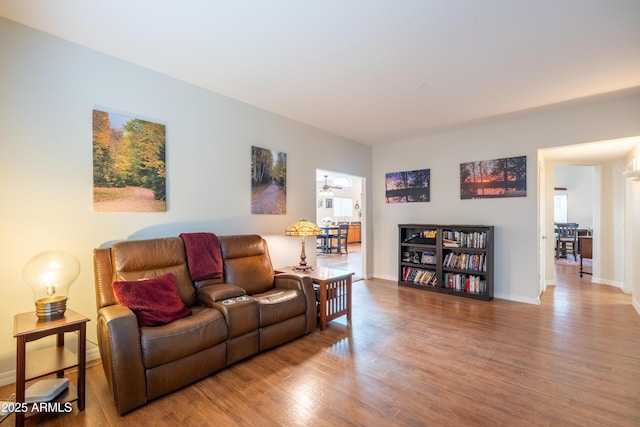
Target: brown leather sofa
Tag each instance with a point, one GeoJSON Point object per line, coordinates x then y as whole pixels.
{"type": "Point", "coordinates": [143, 363]}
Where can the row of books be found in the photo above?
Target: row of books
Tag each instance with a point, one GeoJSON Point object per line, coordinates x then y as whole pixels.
{"type": "Point", "coordinates": [465, 283]}
{"type": "Point", "coordinates": [419, 276]}
{"type": "Point", "coordinates": [463, 239]}
{"type": "Point", "coordinates": [471, 262]}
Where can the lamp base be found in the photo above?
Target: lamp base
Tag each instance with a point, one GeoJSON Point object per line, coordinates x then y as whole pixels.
{"type": "Point", "coordinates": [303, 268]}
{"type": "Point", "coordinates": [51, 308]}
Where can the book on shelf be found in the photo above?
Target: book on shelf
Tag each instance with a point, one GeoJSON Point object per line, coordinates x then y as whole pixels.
{"type": "Point", "coordinates": [465, 283]}
{"type": "Point", "coordinates": [450, 243]}
{"type": "Point", "coordinates": [464, 261]}
{"type": "Point", "coordinates": [419, 276]}
{"type": "Point", "coordinates": [464, 239]}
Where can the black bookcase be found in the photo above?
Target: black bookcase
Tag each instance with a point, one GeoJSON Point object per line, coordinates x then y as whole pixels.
{"type": "Point", "coordinates": [452, 259]}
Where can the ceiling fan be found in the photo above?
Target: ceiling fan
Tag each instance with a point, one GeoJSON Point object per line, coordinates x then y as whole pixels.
{"type": "Point", "coordinates": [325, 190]}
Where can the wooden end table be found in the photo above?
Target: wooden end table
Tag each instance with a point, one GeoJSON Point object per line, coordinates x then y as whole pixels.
{"type": "Point", "coordinates": [333, 292]}
{"type": "Point", "coordinates": [45, 361]}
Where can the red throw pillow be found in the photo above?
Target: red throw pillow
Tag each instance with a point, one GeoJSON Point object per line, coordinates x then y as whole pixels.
{"type": "Point", "coordinates": [154, 301]}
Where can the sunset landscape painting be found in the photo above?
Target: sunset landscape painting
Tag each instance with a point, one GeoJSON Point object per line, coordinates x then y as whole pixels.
{"type": "Point", "coordinates": [494, 178]}
{"type": "Point", "coordinates": [408, 186]}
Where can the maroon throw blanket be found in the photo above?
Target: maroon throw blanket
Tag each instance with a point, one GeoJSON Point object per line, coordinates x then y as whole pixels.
{"type": "Point", "coordinates": [204, 255]}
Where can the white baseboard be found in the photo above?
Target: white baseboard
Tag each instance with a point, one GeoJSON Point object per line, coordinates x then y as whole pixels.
{"type": "Point", "coordinates": [516, 298]}
{"type": "Point", "coordinates": [9, 377]}
{"type": "Point", "coordinates": [385, 277]}
{"type": "Point", "coordinates": [526, 300]}
{"type": "Point", "coordinates": [607, 282]}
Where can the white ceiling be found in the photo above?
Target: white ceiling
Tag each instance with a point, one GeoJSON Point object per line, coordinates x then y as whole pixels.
{"type": "Point", "coordinates": [374, 71]}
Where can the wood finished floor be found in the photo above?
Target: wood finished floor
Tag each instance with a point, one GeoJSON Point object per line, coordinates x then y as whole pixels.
{"type": "Point", "coordinates": [415, 358]}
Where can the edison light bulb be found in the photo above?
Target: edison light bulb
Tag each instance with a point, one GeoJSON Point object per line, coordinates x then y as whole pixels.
{"type": "Point", "coordinates": [50, 274]}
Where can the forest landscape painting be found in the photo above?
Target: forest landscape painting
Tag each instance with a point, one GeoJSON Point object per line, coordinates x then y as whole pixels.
{"type": "Point", "coordinates": [268, 181]}
{"type": "Point", "coordinates": [408, 186]}
{"type": "Point", "coordinates": [494, 178]}
{"type": "Point", "coordinates": [129, 170]}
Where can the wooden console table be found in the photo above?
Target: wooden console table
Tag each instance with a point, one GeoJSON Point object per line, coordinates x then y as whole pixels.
{"type": "Point", "coordinates": [333, 292]}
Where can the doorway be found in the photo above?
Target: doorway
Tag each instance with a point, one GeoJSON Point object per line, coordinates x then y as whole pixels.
{"type": "Point", "coordinates": [339, 200]}
{"type": "Point", "coordinates": [605, 159]}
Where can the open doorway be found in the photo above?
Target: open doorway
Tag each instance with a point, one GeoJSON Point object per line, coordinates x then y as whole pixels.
{"type": "Point", "coordinates": [574, 215]}
{"type": "Point", "coordinates": [339, 200]}
{"type": "Point", "coordinates": [603, 161]}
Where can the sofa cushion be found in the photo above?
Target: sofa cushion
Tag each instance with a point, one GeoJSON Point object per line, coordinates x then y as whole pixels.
{"type": "Point", "coordinates": [154, 301]}
{"type": "Point", "coordinates": [137, 259]}
{"type": "Point", "coordinates": [280, 304]}
{"type": "Point", "coordinates": [247, 263]}
{"type": "Point", "coordinates": [205, 328]}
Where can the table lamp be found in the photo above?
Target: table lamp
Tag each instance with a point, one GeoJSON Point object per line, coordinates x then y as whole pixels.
{"type": "Point", "coordinates": [303, 228]}
{"type": "Point", "coordinates": [50, 274]}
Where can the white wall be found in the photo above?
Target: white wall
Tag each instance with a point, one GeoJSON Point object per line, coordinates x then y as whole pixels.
{"type": "Point", "coordinates": [48, 89]}
{"type": "Point", "coordinates": [516, 249]}
{"type": "Point", "coordinates": [632, 231]}
{"type": "Point", "coordinates": [578, 180]}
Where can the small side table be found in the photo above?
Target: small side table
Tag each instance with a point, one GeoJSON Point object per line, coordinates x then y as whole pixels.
{"type": "Point", "coordinates": [333, 292]}
{"type": "Point", "coordinates": [27, 327]}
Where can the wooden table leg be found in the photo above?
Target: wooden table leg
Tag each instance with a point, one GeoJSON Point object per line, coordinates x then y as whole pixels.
{"type": "Point", "coordinates": [21, 374]}
{"type": "Point", "coordinates": [323, 305]}
{"type": "Point", "coordinates": [82, 361]}
{"type": "Point", "coordinates": [349, 282]}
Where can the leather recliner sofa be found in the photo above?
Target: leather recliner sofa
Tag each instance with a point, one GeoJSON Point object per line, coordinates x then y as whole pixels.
{"type": "Point", "coordinates": [248, 310]}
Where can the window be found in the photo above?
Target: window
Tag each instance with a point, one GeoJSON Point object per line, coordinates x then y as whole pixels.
{"type": "Point", "coordinates": [342, 207]}
{"type": "Point", "coordinates": [560, 205]}
{"type": "Point", "coordinates": [343, 182]}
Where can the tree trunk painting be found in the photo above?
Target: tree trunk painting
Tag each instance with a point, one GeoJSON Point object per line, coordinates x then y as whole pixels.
{"type": "Point", "coordinates": [268, 181]}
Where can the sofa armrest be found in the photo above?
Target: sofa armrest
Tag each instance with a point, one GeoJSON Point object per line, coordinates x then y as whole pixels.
{"type": "Point", "coordinates": [304, 283]}
{"type": "Point", "coordinates": [119, 342]}
{"type": "Point", "coordinates": [207, 295]}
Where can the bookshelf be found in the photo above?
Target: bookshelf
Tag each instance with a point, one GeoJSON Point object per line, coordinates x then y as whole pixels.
{"type": "Point", "coordinates": [452, 259]}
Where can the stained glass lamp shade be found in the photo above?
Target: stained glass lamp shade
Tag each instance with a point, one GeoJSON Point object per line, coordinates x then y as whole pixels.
{"type": "Point", "coordinates": [303, 228]}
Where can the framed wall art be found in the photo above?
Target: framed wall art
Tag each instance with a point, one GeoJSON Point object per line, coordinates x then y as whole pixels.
{"type": "Point", "coordinates": [268, 181]}
{"type": "Point", "coordinates": [494, 178]}
{"type": "Point", "coordinates": [129, 170]}
{"type": "Point", "coordinates": [408, 186]}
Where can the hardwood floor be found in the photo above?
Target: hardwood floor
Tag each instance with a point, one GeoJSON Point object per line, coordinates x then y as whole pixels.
{"type": "Point", "coordinates": [351, 261]}
{"type": "Point", "coordinates": [414, 358]}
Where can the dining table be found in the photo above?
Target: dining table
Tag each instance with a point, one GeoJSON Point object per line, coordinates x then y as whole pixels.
{"type": "Point", "coordinates": [327, 232]}
{"type": "Point", "coordinates": [326, 229]}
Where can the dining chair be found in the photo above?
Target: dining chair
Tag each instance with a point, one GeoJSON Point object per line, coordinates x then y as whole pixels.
{"type": "Point", "coordinates": [566, 239]}
{"type": "Point", "coordinates": [338, 241]}
{"type": "Point", "coordinates": [322, 243]}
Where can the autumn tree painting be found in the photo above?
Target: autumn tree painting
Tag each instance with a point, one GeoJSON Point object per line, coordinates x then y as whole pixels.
{"type": "Point", "coordinates": [129, 170]}
{"type": "Point", "coordinates": [268, 181]}
{"type": "Point", "coordinates": [494, 178]}
{"type": "Point", "coordinates": [408, 186]}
